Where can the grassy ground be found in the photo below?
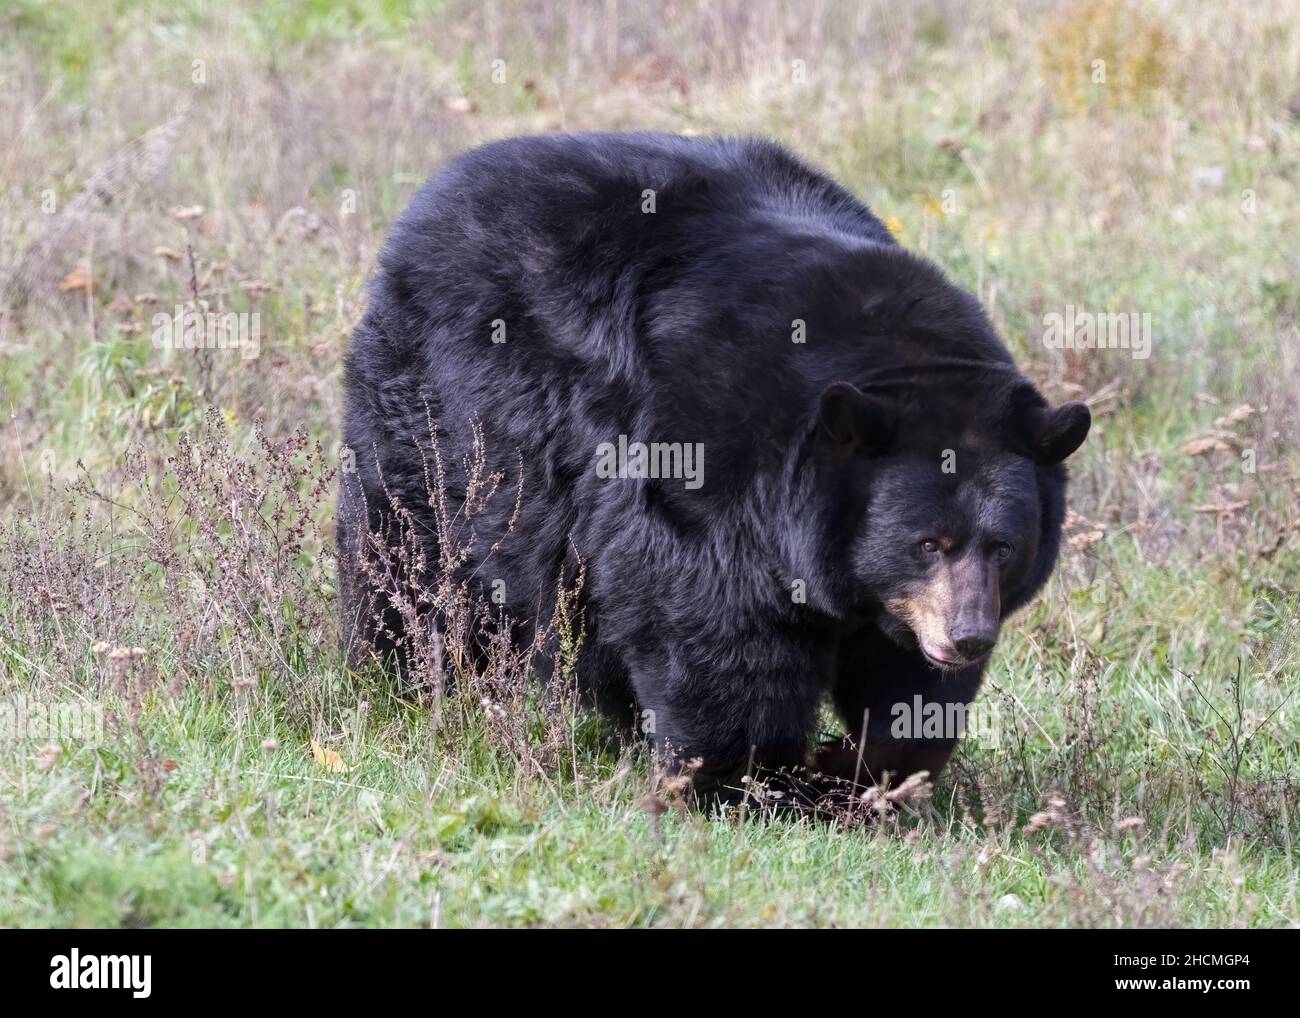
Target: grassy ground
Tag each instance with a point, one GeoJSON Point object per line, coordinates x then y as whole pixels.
{"type": "Point", "coordinates": [182, 744]}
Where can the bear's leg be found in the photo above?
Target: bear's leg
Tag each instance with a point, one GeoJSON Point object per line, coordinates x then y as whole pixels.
{"type": "Point", "coordinates": [373, 627]}
{"type": "Point", "coordinates": [366, 613]}
{"type": "Point", "coordinates": [912, 712]}
{"type": "Point", "coordinates": [377, 598]}
{"type": "Point", "coordinates": [602, 680]}
{"type": "Point", "coordinates": [726, 728]}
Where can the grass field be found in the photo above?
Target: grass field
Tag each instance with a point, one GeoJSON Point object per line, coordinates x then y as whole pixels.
{"type": "Point", "coordinates": [182, 743]}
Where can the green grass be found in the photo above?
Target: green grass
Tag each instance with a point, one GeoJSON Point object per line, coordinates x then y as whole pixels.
{"type": "Point", "coordinates": [1145, 770]}
{"type": "Point", "coordinates": [250, 836]}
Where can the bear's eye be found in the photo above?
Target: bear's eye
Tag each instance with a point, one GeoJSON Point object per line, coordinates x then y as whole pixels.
{"type": "Point", "coordinates": [1003, 550]}
{"type": "Point", "coordinates": [929, 546]}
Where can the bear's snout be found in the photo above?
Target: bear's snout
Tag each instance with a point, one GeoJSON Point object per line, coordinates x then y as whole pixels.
{"type": "Point", "coordinates": [955, 614]}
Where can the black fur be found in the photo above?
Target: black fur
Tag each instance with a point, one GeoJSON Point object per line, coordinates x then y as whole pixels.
{"type": "Point", "coordinates": [676, 326]}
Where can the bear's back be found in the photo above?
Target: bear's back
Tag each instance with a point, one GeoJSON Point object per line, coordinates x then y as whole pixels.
{"type": "Point", "coordinates": [651, 261]}
{"type": "Point", "coordinates": [574, 239]}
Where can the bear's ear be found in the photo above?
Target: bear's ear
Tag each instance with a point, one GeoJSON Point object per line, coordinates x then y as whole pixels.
{"type": "Point", "coordinates": [1052, 434]}
{"type": "Point", "coordinates": [851, 423]}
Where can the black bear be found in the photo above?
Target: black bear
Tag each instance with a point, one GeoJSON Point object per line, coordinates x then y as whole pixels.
{"type": "Point", "coordinates": [794, 460]}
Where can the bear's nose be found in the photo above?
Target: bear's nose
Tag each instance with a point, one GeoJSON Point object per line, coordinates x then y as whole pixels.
{"type": "Point", "coordinates": [973, 647]}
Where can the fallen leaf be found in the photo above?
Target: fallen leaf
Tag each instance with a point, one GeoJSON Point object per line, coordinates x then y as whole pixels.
{"type": "Point", "coordinates": [170, 253]}
{"type": "Point", "coordinates": [327, 758]}
{"type": "Point", "coordinates": [932, 205]}
{"type": "Point", "coordinates": [77, 279]}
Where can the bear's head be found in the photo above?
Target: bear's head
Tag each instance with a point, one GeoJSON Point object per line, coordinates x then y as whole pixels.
{"type": "Point", "coordinates": [959, 497]}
